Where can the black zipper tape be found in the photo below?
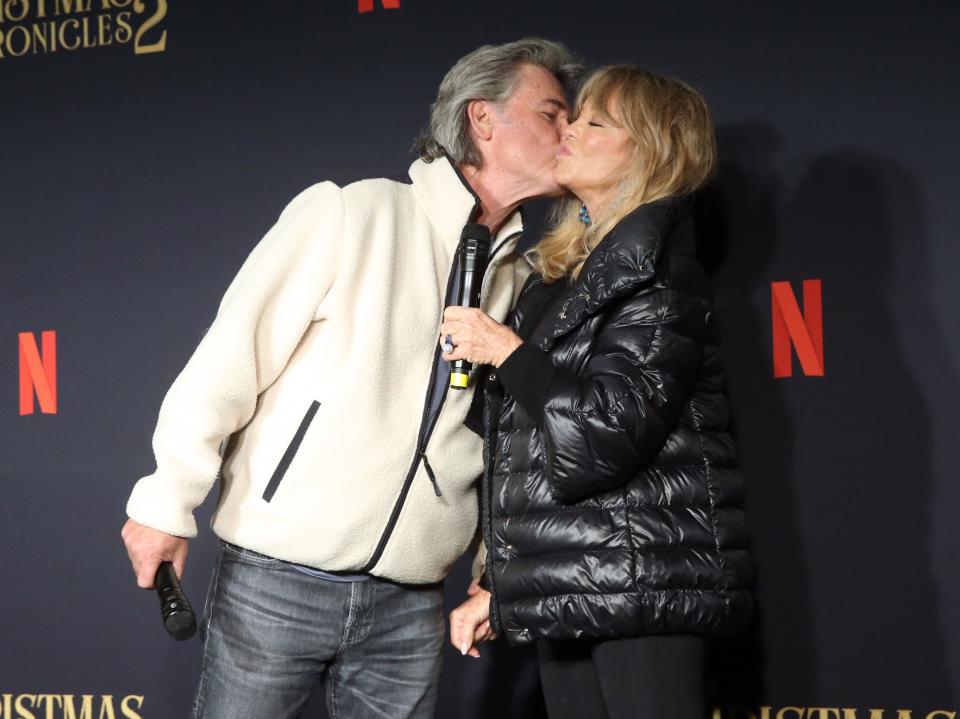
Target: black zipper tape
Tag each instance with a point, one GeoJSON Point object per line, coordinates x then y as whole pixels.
{"type": "Point", "coordinates": [430, 474]}
{"type": "Point", "coordinates": [427, 424]}
{"type": "Point", "coordinates": [422, 438]}
{"type": "Point", "coordinates": [292, 448]}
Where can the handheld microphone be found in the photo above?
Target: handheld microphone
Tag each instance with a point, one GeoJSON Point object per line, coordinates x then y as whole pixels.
{"type": "Point", "coordinates": [178, 617]}
{"type": "Point", "coordinates": [474, 254]}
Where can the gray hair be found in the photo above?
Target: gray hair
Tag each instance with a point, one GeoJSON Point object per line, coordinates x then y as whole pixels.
{"type": "Point", "coordinates": [488, 73]}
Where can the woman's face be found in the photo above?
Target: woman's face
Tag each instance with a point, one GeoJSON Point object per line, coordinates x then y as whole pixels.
{"type": "Point", "coordinates": [594, 155]}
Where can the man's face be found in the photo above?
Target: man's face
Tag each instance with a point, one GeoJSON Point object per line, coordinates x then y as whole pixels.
{"type": "Point", "coordinates": [527, 131]}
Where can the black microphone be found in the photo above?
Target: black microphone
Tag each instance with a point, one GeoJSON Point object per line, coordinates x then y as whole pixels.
{"type": "Point", "coordinates": [474, 253]}
{"type": "Point", "coordinates": [178, 618]}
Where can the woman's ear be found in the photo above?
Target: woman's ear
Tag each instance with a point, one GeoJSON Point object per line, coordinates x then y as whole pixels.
{"type": "Point", "coordinates": [480, 114]}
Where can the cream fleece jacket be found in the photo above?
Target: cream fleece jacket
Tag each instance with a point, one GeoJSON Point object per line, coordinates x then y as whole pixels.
{"type": "Point", "coordinates": [317, 368]}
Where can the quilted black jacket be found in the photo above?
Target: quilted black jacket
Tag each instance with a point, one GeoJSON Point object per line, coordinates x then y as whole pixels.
{"type": "Point", "coordinates": [611, 498]}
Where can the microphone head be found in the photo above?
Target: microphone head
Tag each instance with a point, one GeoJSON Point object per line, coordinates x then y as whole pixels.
{"type": "Point", "coordinates": [180, 625]}
{"type": "Point", "coordinates": [477, 233]}
{"type": "Point", "coordinates": [175, 610]}
{"type": "Point", "coordinates": [474, 231]}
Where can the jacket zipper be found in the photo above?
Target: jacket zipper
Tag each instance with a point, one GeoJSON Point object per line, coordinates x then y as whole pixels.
{"type": "Point", "coordinates": [427, 424]}
{"type": "Point", "coordinates": [490, 441]}
{"type": "Point", "coordinates": [422, 439]}
{"type": "Point", "coordinates": [431, 418]}
{"type": "Point", "coordinates": [486, 529]}
{"type": "Point", "coordinates": [429, 421]}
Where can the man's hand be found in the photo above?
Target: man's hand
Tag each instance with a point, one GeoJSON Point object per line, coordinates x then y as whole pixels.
{"type": "Point", "coordinates": [470, 623]}
{"type": "Point", "coordinates": [148, 547]}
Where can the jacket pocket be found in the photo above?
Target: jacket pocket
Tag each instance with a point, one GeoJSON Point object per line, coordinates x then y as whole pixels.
{"type": "Point", "coordinates": [288, 456]}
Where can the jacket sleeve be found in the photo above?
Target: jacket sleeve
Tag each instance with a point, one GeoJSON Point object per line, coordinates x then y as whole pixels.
{"type": "Point", "coordinates": [602, 425]}
{"type": "Point", "coordinates": [262, 317]}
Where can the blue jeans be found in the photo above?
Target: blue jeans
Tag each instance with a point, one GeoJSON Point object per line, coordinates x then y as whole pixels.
{"type": "Point", "coordinates": [272, 633]}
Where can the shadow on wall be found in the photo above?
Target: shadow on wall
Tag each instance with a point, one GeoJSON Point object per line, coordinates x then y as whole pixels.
{"type": "Point", "coordinates": [838, 470]}
{"type": "Point", "coordinates": [869, 486]}
{"type": "Point", "coordinates": [739, 236]}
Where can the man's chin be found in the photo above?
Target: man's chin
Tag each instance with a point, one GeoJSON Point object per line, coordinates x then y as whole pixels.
{"type": "Point", "coordinates": [555, 191]}
{"type": "Point", "coordinates": [552, 188]}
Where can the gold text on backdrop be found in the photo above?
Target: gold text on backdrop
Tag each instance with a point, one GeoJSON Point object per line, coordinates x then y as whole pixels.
{"type": "Point", "coordinates": [46, 27]}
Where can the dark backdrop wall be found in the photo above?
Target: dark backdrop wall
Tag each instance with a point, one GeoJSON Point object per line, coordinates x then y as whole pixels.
{"type": "Point", "coordinates": [132, 186]}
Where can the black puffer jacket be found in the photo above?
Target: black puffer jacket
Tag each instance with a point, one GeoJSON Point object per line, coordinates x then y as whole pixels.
{"type": "Point", "coordinates": [611, 494]}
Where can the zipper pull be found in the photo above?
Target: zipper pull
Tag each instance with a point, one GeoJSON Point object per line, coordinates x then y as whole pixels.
{"type": "Point", "coordinates": [430, 474]}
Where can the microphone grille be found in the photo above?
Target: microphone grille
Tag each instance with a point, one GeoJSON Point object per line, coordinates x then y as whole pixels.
{"type": "Point", "coordinates": [474, 231]}
{"type": "Point", "coordinates": [180, 625]}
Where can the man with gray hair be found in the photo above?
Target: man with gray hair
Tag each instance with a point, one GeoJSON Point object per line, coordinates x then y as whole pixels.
{"type": "Point", "coordinates": [347, 474]}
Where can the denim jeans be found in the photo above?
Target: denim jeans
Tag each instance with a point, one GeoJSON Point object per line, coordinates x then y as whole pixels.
{"type": "Point", "coordinates": [272, 633]}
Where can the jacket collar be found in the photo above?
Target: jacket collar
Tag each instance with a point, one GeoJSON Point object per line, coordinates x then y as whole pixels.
{"type": "Point", "coordinates": [450, 201]}
{"type": "Point", "coordinates": [623, 260]}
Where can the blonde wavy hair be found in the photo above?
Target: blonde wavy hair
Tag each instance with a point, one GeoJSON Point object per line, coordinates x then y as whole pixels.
{"type": "Point", "coordinates": [674, 153]}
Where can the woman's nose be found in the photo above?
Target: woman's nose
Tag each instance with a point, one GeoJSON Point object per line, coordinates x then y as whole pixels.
{"type": "Point", "coordinates": [571, 128]}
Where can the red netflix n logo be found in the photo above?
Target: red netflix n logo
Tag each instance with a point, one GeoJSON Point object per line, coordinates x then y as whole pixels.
{"type": "Point", "coordinates": [804, 331]}
{"type": "Point", "coordinates": [38, 372]}
{"type": "Point", "coordinates": [367, 5]}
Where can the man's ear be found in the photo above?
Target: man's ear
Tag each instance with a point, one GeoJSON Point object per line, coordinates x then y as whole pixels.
{"type": "Point", "coordinates": [480, 114]}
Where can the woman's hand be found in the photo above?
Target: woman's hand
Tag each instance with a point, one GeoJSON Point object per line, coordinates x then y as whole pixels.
{"type": "Point", "coordinates": [476, 337]}
{"type": "Point", "coordinates": [470, 623]}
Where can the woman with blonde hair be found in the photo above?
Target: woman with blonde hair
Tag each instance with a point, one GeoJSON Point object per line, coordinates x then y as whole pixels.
{"type": "Point", "coordinates": [611, 497]}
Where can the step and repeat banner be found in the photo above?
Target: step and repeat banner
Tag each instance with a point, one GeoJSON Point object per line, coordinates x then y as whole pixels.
{"type": "Point", "coordinates": [146, 146]}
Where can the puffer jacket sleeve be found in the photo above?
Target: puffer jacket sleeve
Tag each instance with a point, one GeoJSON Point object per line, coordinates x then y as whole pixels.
{"type": "Point", "coordinates": [262, 317]}
{"type": "Point", "coordinates": [601, 425]}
